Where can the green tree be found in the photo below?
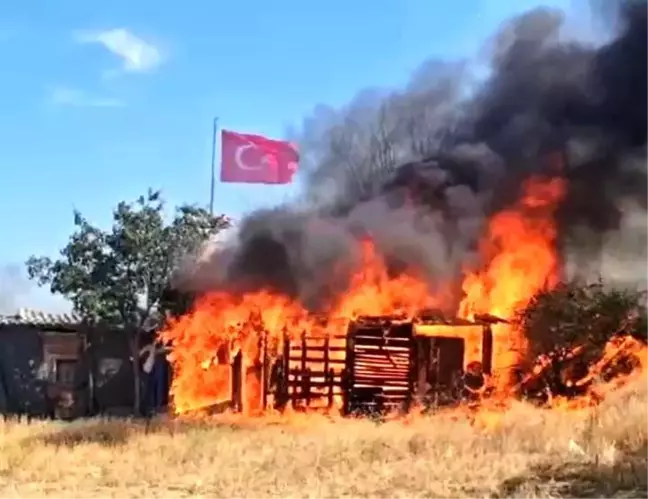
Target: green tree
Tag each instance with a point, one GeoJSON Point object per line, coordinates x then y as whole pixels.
{"type": "Point", "coordinates": [579, 317]}
{"type": "Point", "coordinates": [118, 277]}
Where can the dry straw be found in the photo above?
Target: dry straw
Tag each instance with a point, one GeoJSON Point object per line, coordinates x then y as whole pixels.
{"type": "Point", "coordinates": [525, 452]}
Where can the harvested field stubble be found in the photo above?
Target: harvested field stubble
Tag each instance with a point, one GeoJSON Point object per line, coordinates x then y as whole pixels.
{"type": "Point", "coordinates": [524, 452]}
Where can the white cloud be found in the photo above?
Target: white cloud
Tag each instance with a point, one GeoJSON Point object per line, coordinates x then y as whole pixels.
{"type": "Point", "coordinates": [137, 55]}
{"type": "Point", "coordinates": [65, 96]}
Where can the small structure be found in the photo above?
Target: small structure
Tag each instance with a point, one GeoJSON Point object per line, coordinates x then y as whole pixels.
{"type": "Point", "coordinates": [55, 365]}
{"type": "Point", "coordinates": [380, 364]}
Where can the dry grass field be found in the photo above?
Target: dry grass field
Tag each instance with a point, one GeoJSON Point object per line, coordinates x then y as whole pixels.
{"type": "Point", "coordinates": [525, 452]}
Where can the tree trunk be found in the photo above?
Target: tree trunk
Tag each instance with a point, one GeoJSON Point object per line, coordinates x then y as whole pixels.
{"type": "Point", "coordinates": [137, 378]}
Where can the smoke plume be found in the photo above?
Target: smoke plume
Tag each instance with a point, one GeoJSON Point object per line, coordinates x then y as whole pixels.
{"type": "Point", "coordinates": [420, 170]}
{"type": "Point", "coordinates": [13, 285]}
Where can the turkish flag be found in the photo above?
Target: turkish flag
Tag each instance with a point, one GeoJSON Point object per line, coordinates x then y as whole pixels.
{"type": "Point", "coordinates": [254, 159]}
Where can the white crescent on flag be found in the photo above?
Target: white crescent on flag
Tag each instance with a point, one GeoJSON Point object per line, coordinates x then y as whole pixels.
{"type": "Point", "coordinates": [239, 159]}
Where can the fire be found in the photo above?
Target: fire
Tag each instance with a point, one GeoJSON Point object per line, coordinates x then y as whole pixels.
{"type": "Point", "coordinates": [220, 325]}
{"type": "Point", "coordinates": [519, 249]}
{"type": "Point", "coordinates": [207, 339]}
{"type": "Point", "coordinates": [373, 292]}
{"type": "Point", "coordinates": [518, 259]}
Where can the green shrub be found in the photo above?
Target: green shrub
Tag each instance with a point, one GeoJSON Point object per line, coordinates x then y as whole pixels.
{"type": "Point", "coordinates": [582, 316]}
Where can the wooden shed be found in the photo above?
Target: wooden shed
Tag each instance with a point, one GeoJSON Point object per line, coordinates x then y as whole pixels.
{"type": "Point", "coordinates": [54, 365]}
{"type": "Point", "coordinates": [381, 363]}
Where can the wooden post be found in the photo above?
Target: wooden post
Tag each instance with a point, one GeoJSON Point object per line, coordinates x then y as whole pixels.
{"type": "Point", "coordinates": [285, 366]}
{"type": "Point", "coordinates": [264, 370]}
{"type": "Point", "coordinates": [331, 384]}
{"type": "Point", "coordinates": [306, 386]}
{"type": "Point", "coordinates": [436, 361]}
{"type": "Point", "coordinates": [344, 383]}
{"type": "Point", "coordinates": [328, 380]}
{"type": "Point", "coordinates": [347, 373]}
{"type": "Point", "coordinates": [420, 368]}
{"type": "Point", "coordinates": [487, 349]}
{"type": "Point", "coordinates": [326, 354]}
{"type": "Point", "coordinates": [302, 370]}
{"type": "Point", "coordinates": [304, 351]}
{"type": "Point", "coordinates": [237, 382]}
{"type": "Point", "coordinates": [294, 394]}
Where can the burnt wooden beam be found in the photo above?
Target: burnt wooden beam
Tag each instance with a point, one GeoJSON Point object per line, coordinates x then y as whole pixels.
{"type": "Point", "coordinates": [420, 364]}
{"type": "Point", "coordinates": [348, 381]}
{"type": "Point", "coordinates": [487, 350]}
{"type": "Point", "coordinates": [265, 368]}
{"type": "Point", "coordinates": [306, 387]}
{"type": "Point", "coordinates": [490, 319]}
{"type": "Point", "coordinates": [237, 382]}
{"type": "Point", "coordinates": [331, 386]}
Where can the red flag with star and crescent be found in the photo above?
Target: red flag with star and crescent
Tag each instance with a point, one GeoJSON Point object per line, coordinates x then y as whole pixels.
{"type": "Point", "coordinates": [254, 159]}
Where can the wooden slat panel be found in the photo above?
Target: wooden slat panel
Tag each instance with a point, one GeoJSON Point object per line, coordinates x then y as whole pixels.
{"type": "Point", "coordinates": [386, 373]}
{"type": "Point", "coordinates": [387, 358]}
{"type": "Point", "coordinates": [320, 385]}
{"type": "Point", "coordinates": [313, 395]}
{"type": "Point", "coordinates": [312, 374]}
{"type": "Point", "coordinates": [382, 334]}
{"type": "Point", "coordinates": [379, 340]}
{"type": "Point", "coordinates": [381, 375]}
{"type": "Point", "coordinates": [361, 349]}
{"type": "Point", "coordinates": [382, 365]}
{"type": "Point", "coordinates": [386, 366]}
{"type": "Point", "coordinates": [315, 375]}
{"type": "Point", "coordinates": [316, 360]}
{"type": "Point", "coordinates": [317, 348]}
{"type": "Point", "coordinates": [382, 384]}
{"type": "Point", "coordinates": [387, 392]}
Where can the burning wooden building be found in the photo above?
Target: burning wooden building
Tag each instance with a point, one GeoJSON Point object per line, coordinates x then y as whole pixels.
{"type": "Point", "coordinates": [260, 344]}
{"type": "Point", "coordinates": [381, 363]}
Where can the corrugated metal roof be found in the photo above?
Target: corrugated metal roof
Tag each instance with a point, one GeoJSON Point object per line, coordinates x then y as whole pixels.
{"type": "Point", "coordinates": [30, 317]}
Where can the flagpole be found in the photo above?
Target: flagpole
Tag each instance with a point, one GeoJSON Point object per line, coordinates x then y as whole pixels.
{"type": "Point", "coordinates": [213, 168]}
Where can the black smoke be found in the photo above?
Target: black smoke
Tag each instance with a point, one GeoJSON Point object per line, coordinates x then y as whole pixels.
{"type": "Point", "coordinates": [420, 170]}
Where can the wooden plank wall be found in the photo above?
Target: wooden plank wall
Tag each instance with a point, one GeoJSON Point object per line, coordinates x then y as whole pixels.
{"type": "Point", "coordinates": [379, 362]}
{"type": "Point", "coordinates": [312, 372]}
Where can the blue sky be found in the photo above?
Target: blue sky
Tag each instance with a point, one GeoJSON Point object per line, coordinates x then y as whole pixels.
{"type": "Point", "coordinates": [100, 100]}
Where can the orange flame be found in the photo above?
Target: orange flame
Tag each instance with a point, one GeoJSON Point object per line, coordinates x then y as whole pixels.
{"type": "Point", "coordinates": [206, 339]}
{"type": "Point", "coordinates": [519, 259]}
{"type": "Point", "coordinates": [373, 292]}
{"type": "Point", "coordinates": [520, 256]}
